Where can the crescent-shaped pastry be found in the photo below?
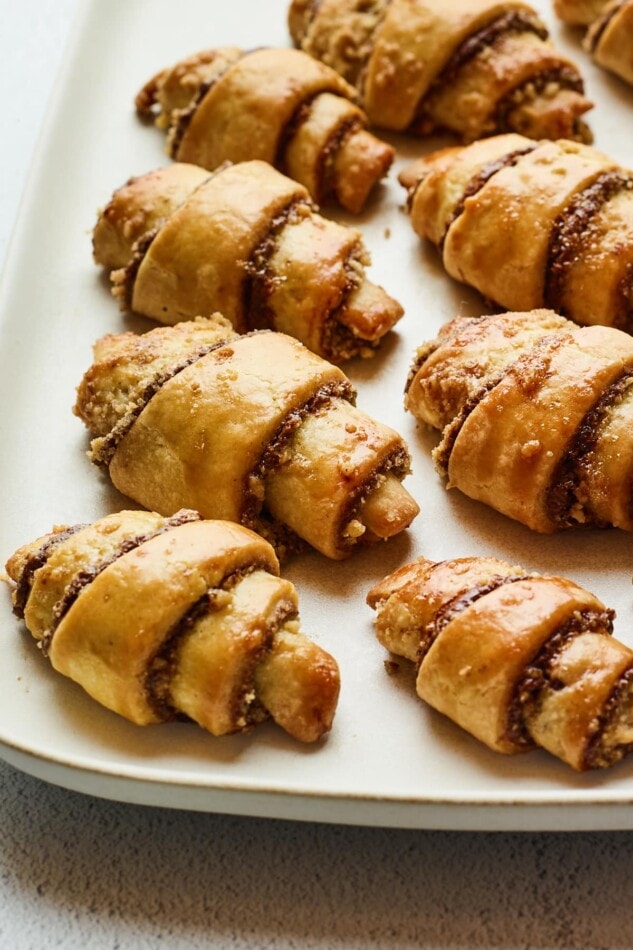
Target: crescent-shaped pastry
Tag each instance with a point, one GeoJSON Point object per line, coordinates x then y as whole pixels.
{"type": "Point", "coordinates": [245, 241]}
{"type": "Point", "coordinates": [531, 224]}
{"type": "Point", "coordinates": [254, 429]}
{"type": "Point", "coordinates": [517, 659]}
{"type": "Point", "coordinates": [609, 39]}
{"type": "Point", "coordinates": [277, 105]}
{"type": "Point", "coordinates": [160, 619]}
{"type": "Point", "coordinates": [475, 68]}
{"type": "Point", "coordinates": [537, 417]}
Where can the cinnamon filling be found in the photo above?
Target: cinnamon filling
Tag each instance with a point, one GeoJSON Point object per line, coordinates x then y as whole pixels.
{"type": "Point", "coordinates": [300, 116]}
{"type": "Point", "coordinates": [260, 279]}
{"type": "Point", "coordinates": [397, 463]}
{"type": "Point", "coordinates": [452, 608]}
{"type": "Point", "coordinates": [422, 355]}
{"type": "Point", "coordinates": [528, 370]}
{"type": "Point", "coordinates": [570, 231]}
{"type": "Point", "coordinates": [125, 278]}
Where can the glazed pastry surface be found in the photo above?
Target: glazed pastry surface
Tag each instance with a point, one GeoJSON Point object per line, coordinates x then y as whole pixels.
{"type": "Point", "coordinates": [277, 105]}
{"type": "Point", "coordinates": [164, 408]}
{"type": "Point", "coordinates": [536, 415]}
{"type": "Point", "coordinates": [531, 224]}
{"type": "Point", "coordinates": [246, 241]}
{"type": "Point", "coordinates": [517, 659]}
{"type": "Point", "coordinates": [475, 68]}
{"type": "Point", "coordinates": [160, 619]}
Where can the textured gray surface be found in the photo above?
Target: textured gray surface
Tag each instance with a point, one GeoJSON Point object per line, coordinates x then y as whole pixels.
{"type": "Point", "coordinates": [81, 872]}
{"type": "Point", "coordinates": [78, 872]}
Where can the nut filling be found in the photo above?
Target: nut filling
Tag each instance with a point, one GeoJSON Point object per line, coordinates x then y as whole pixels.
{"type": "Point", "coordinates": [337, 341]}
{"type": "Point", "coordinates": [484, 175]}
{"type": "Point", "coordinates": [605, 747]}
{"type": "Point", "coordinates": [598, 27]}
{"type": "Point", "coordinates": [442, 453]}
{"type": "Point", "coordinates": [33, 564]}
{"type": "Point", "coordinates": [564, 498]}
{"type": "Point", "coordinates": [273, 452]}
{"type": "Point", "coordinates": [181, 120]}
{"type": "Point", "coordinates": [572, 229]}
{"type": "Point", "coordinates": [564, 77]}
{"type": "Point", "coordinates": [85, 577]}
{"type": "Point", "coordinates": [260, 279]}
{"type": "Point", "coordinates": [102, 449]}
{"type": "Point", "coordinates": [538, 674]}
{"type": "Point", "coordinates": [478, 43]}
{"type": "Point", "coordinates": [246, 710]}
{"type": "Point", "coordinates": [452, 608]}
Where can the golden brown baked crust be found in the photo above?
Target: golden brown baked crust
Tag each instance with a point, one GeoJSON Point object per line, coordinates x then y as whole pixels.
{"type": "Point", "coordinates": [475, 68]}
{"type": "Point", "coordinates": [246, 241]}
{"type": "Point", "coordinates": [162, 618]}
{"type": "Point", "coordinates": [531, 225]}
{"type": "Point", "coordinates": [278, 105]}
{"type": "Point", "coordinates": [164, 407]}
{"type": "Point", "coordinates": [536, 415]}
{"type": "Point", "coordinates": [518, 660]}
{"type": "Point", "coordinates": [138, 208]}
{"type": "Point", "coordinates": [609, 39]}
{"type": "Point", "coordinates": [579, 12]}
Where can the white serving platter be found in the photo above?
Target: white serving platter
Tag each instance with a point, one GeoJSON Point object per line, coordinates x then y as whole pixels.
{"type": "Point", "coordinates": [389, 760]}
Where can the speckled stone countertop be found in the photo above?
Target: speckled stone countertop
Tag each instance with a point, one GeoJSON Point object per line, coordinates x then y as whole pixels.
{"type": "Point", "coordinates": [78, 871]}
